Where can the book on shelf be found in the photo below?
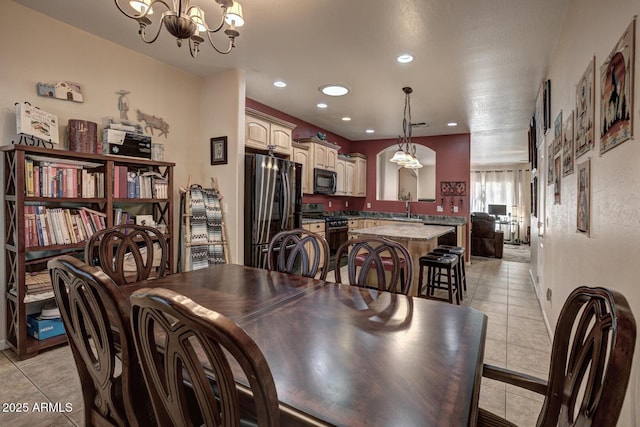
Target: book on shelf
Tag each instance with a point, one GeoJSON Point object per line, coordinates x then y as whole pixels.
{"type": "Point", "coordinates": [45, 226]}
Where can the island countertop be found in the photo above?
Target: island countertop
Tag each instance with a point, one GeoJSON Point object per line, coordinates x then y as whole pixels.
{"type": "Point", "coordinates": [406, 231]}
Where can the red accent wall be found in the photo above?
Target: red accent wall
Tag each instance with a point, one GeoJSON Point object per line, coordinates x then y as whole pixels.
{"type": "Point", "coordinates": [453, 163]}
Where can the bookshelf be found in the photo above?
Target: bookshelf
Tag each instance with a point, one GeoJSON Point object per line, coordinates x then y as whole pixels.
{"type": "Point", "coordinates": [82, 193]}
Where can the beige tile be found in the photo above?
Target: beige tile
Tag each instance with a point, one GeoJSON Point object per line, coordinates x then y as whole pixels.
{"type": "Point", "coordinates": [529, 313]}
{"type": "Point", "coordinates": [492, 399]}
{"type": "Point", "coordinates": [527, 394]}
{"type": "Point", "coordinates": [534, 326]}
{"type": "Point", "coordinates": [527, 339]}
{"type": "Point", "coordinates": [530, 303]}
{"type": "Point", "coordinates": [522, 411]}
{"type": "Point", "coordinates": [497, 331]}
{"type": "Point", "coordinates": [529, 361]}
{"type": "Point", "coordinates": [495, 352]}
{"type": "Point", "coordinates": [488, 307]}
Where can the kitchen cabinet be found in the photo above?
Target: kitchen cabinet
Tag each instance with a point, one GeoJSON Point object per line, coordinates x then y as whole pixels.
{"type": "Point", "coordinates": [345, 170]}
{"type": "Point", "coordinates": [318, 228]}
{"type": "Point", "coordinates": [301, 155]}
{"type": "Point", "coordinates": [360, 175]}
{"type": "Point", "coordinates": [265, 132]}
{"type": "Point", "coordinates": [324, 154]}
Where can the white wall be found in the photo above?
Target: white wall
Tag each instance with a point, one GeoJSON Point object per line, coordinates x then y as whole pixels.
{"type": "Point", "coordinates": [609, 256]}
{"type": "Point", "coordinates": [195, 109]}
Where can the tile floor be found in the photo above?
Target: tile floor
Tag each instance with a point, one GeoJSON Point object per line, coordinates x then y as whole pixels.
{"type": "Point", "coordinates": [516, 338]}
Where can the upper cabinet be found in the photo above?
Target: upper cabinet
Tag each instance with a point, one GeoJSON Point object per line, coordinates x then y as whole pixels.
{"type": "Point", "coordinates": [345, 172]}
{"type": "Point", "coordinates": [301, 155]}
{"type": "Point", "coordinates": [360, 175]}
{"type": "Point", "coordinates": [265, 132]}
{"type": "Point", "coordinates": [324, 154]}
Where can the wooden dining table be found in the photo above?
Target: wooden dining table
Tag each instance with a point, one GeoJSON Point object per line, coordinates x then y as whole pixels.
{"type": "Point", "coordinates": [348, 356]}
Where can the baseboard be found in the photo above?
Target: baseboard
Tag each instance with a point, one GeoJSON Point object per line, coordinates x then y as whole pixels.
{"type": "Point", "coordinates": [544, 313]}
{"type": "Point", "coordinates": [4, 345]}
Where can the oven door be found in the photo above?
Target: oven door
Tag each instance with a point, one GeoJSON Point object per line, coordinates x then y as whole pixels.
{"type": "Point", "coordinates": [336, 237]}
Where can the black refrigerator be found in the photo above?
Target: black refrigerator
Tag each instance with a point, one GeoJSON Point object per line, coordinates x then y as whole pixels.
{"type": "Point", "coordinates": [273, 198]}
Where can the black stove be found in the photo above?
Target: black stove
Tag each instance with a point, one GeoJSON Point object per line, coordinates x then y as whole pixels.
{"type": "Point", "coordinates": [335, 226]}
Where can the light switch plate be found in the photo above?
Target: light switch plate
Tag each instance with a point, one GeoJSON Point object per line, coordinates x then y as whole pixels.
{"type": "Point", "coordinates": [440, 209]}
{"type": "Point", "coordinates": [329, 203]}
{"type": "Point", "coordinates": [346, 204]}
{"type": "Point", "coordinates": [455, 209]}
{"type": "Point", "coordinates": [368, 205]}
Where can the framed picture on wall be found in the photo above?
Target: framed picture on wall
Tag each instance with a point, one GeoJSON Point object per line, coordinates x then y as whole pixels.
{"type": "Point", "coordinates": [616, 92]}
{"type": "Point", "coordinates": [567, 146]}
{"type": "Point", "coordinates": [584, 197]}
{"type": "Point", "coordinates": [585, 110]}
{"type": "Point", "coordinates": [557, 134]}
{"type": "Point", "coordinates": [219, 150]}
{"type": "Point", "coordinates": [549, 154]}
{"type": "Point", "coordinates": [557, 179]}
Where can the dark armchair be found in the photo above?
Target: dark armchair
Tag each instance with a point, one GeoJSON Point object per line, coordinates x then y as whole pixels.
{"type": "Point", "coordinates": [485, 240]}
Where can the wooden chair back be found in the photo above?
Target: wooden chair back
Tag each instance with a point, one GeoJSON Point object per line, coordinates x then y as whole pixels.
{"type": "Point", "coordinates": [389, 260]}
{"type": "Point", "coordinates": [591, 359]}
{"type": "Point", "coordinates": [198, 343]}
{"type": "Point", "coordinates": [96, 321]}
{"type": "Point", "coordinates": [126, 253]}
{"type": "Point", "coordinates": [299, 251]}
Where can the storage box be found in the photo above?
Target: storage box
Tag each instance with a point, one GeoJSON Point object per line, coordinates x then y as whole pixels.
{"type": "Point", "coordinates": [123, 143]}
{"type": "Point", "coordinates": [34, 122]}
{"type": "Point", "coordinates": [42, 329]}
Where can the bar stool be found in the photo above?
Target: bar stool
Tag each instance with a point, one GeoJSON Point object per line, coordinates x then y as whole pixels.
{"type": "Point", "coordinates": [459, 251]}
{"type": "Point", "coordinates": [436, 263]}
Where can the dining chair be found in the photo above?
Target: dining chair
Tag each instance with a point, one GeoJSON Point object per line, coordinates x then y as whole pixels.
{"type": "Point", "coordinates": [299, 251]}
{"type": "Point", "coordinates": [203, 348]}
{"type": "Point", "coordinates": [375, 254]}
{"type": "Point", "coordinates": [128, 253]}
{"type": "Point", "coordinates": [96, 320]}
{"type": "Point", "coordinates": [591, 360]}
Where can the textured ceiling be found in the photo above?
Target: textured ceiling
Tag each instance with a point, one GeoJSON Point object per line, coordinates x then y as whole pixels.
{"type": "Point", "coordinates": [478, 63]}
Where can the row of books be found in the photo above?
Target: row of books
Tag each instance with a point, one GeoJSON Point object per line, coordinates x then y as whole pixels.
{"type": "Point", "coordinates": [46, 178]}
{"type": "Point", "coordinates": [74, 179]}
{"type": "Point", "coordinates": [60, 226]}
{"type": "Point", "coordinates": [139, 184]}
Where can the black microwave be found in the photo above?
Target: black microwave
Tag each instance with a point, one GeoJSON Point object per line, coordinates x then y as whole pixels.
{"type": "Point", "coordinates": [324, 181]}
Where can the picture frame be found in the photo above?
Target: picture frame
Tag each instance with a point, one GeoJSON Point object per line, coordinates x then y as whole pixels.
{"type": "Point", "coordinates": [557, 179]}
{"type": "Point", "coordinates": [616, 92]}
{"type": "Point", "coordinates": [557, 134]}
{"type": "Point", "coordinates": [219, 150]}
{"type": "Point", "coordinates": [567, 147]}
{"type": "Point", "coordinates": [547, 105]}
{"type": "Point", "coordinates": [549, 164]}
{"type": "Point", "coordinates": [583, 214]}
{"type": "Point", "coordinates": [585, 110]}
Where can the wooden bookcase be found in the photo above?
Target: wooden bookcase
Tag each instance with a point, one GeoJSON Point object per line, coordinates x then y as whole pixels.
{"type": "Point", "coordinates": [20, 258]}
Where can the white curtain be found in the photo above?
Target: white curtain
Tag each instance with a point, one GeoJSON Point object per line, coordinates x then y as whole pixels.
{"type": "Point", "coordinates": [504, 187]}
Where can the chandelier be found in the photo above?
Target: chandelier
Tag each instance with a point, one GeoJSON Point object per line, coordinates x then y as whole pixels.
{"type": "Point", "coordinates": [406, 154]}
{"type": "Point", "coordinates": [186, 22]}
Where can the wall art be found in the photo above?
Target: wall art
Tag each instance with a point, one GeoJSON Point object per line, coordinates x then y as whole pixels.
{"type": "Point", "coordinates": [69, 91]}
{"type": "Point", "coordinates": [557, 134]}
{"type": "Point", "coordinates": [219, 150]}
{"type": "Point", "coordinates": [557, 179]}
{"type": "Point", "coordinates": [547, 105]}
{"type": "Point", "coordinates": [453, 188]}
{"type": "Point", "coordinates": [549, 155]}
{"type": "Point", "coordinates": [583, 223]}
{"type": "Point", "coordinates": [567, 147]}
{"type": "Point", "coordinates": [616, 93]}
{"type": "Point", "coordinates": [153, 122]}
{"type": "Point", "coordinates": [585, 110]}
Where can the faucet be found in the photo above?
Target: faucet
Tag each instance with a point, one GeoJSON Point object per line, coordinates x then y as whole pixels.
{"type": "Point", "coordinates": [408, 208]}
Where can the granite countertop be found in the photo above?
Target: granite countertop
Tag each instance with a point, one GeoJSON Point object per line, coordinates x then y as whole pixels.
{"type": "Point", "coordinates": [404, 231]}
{"type": "Point", "coordinates": [423, 219]}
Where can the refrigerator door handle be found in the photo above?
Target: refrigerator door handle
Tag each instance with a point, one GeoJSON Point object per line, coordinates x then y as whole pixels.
{"type": "Point", "coordinates": [286, 201]}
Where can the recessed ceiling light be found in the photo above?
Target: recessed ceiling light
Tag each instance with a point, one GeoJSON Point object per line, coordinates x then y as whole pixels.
{"type": "Point", "coordinates": [452, 124]}
{"type": "Point", "coordinates": [279, 83]}
{"type": "Point", "coordinates": [346, 119]}
{"type": "Point", "coordinates": [370, 131]}
{"type": "Point", "coordinates": [405, 58]}
{"type": "Point", "coordinates": [334, 90]}
{"type": "Point", "coordinates": [321, 105]}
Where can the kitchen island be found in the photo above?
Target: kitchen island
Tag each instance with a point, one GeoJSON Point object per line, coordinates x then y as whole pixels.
{"type": "Point", "coordinates": [419, 239]}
